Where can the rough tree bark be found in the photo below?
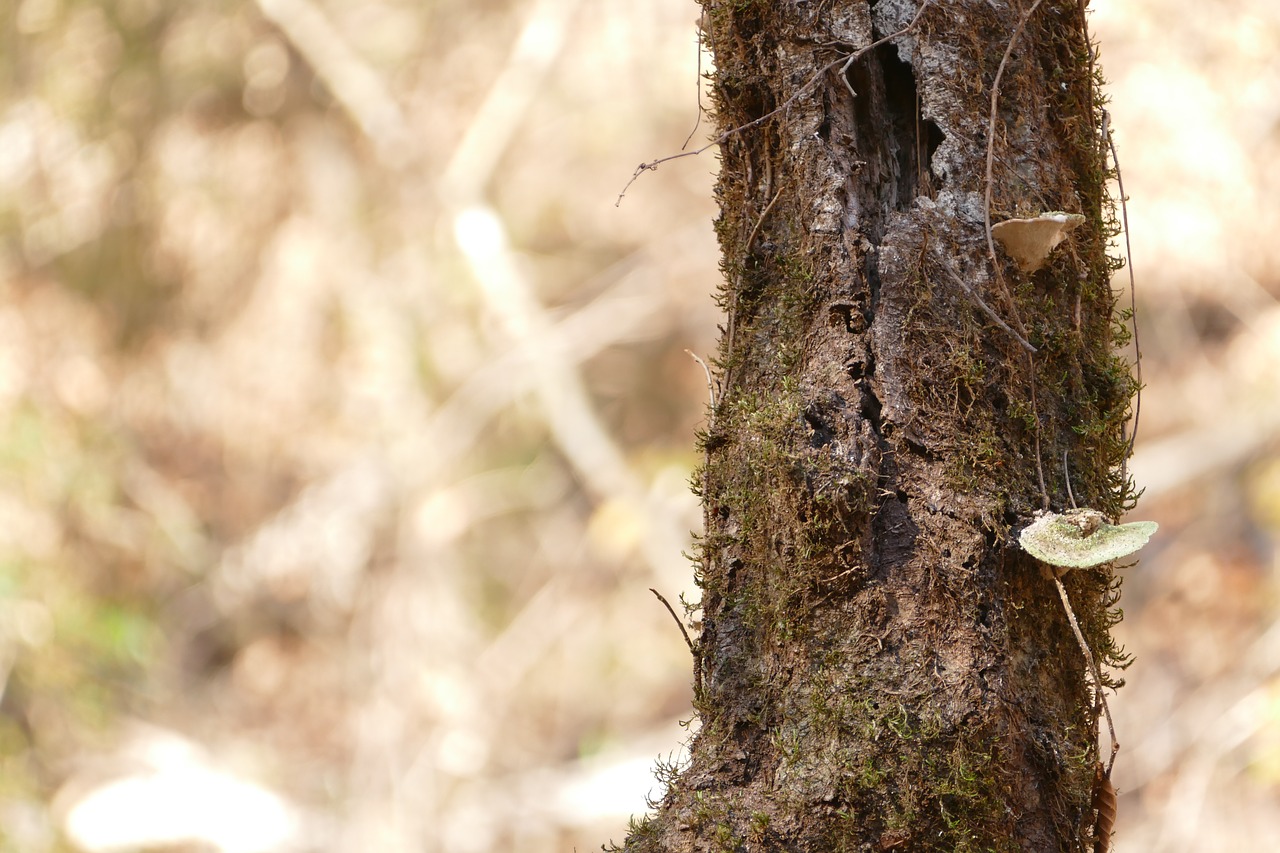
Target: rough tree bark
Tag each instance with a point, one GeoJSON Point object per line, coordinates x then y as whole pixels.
{"type": "Point", "coordinates": [881, 668]}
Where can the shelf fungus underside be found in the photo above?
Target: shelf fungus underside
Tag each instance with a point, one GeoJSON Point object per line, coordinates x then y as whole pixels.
{"type": "Point", "coordinates": [1029, 241]}
{"type": "Point", "coordinates": [1079, 539]}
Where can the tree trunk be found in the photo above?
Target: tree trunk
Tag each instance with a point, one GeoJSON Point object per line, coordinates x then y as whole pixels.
{"type": "Point", "coordinates": [880, 666]}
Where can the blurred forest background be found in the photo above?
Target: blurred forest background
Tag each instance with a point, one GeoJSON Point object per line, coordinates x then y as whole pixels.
{"type": "Point", "coordinates": [345, 422]}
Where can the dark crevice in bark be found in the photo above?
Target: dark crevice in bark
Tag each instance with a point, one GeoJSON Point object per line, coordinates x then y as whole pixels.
{"type": "Point", "coordinates": [895, 141]}
{"type": "Point", "coordinates": [818, 417]}
{"type": "Point", "coordinates": [933, 139]}
{"type": "Point", "coordinates": [915, 137]}
{"type": "Point", "coordinates": [871, 272]}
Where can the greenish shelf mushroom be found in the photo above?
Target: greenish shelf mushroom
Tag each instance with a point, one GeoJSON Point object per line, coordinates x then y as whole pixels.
{"type": "Point", "coordinates": [1082, 538]}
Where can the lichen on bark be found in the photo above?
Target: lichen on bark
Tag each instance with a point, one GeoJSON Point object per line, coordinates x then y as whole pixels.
{"type": "Point", "coordinates": [881, 667]}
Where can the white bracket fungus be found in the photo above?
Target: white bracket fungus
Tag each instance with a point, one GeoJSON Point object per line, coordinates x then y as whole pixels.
{"type": "Point", "coordinates": [1029, 241]}
{"type": "Point", "coordinates": [1081, 538]}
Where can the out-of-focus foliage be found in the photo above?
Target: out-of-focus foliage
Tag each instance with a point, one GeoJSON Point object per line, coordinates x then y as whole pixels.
{"type": "Point", "coordinates": [301, 306]}
{"type": "Point", "coordinates": [1196, 107]}
{"type": "Point", "coordinates": [345, 421]}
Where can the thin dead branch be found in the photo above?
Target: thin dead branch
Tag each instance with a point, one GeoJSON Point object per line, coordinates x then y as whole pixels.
{"type": "Point", "coordinates": [693, 647]}
{"type": "Point", "coordinates": [1094, 672]}
{"type": "Point", "coordinates": [702, 20]}
{"type": "Point", "coordinates": [1133, 291]}
{"type": "Point", "coordinates": [991, 246]}
{"type": "Point", "coordinates": [986, 309]}
{"type": "Point", "coordinates": [1035, 413]}
{"type": "Point", "coordinates": [991, 147]}
{"type": "Point", "coordinates": [1066, 476]}
{"type": "Point", "coordinates": [711, 390]}
{"type": "Point", "coordinates": [843, 61]}
{"type": "Point", "coordinates": [854, 57]}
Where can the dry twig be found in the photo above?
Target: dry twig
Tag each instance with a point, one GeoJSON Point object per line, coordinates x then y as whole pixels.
{"type": "Point", "coordinates": [991, 246]}
{"type": "Point", "coordinates": [1133, 290]}
{"type": "Point", "coordinates": [1093, 669]}
{"type": "Point", "coordinates": [986, 309]}
{"type": "Point", "coordinates": [693, 647]}
{"type": "Point", "coordinates": [991, 147]}
{"type": "Point", "coordinates": [843, 61]}
{"type": "Point", "coordinates": [711, 390]}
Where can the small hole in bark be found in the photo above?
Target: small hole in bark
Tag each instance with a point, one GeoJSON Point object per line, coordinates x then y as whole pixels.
{"type": "Point", "coordinates": [841, 315]}
{"type": "Point", "coordinates": [917, 446]}
{"type": "Point", "coordinates": [999, 399]}
{"type": "Point", "coordinates": [933, 137]}
{"type": "Point", "coordinates": [870, 407]}
{"type": "Point", "coordinates": [822, 434]}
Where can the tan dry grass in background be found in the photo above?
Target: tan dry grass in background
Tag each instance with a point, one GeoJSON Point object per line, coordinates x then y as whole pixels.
{"type": "Point", "coordinates": [344, 421]}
